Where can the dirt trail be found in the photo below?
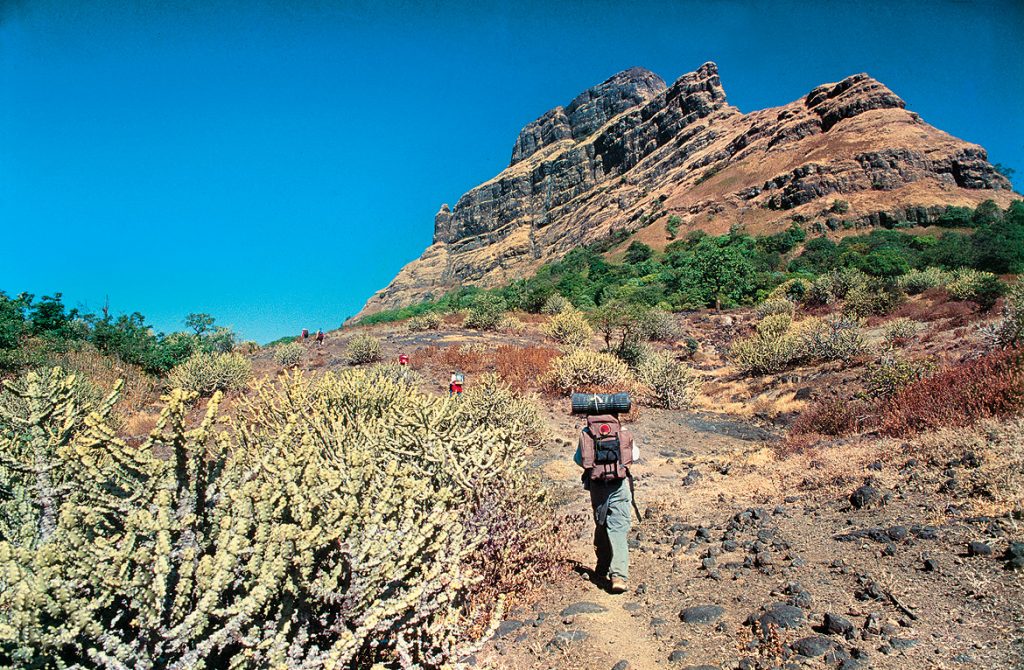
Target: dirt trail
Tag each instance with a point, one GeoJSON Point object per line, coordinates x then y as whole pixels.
{"type": "Point", "coordinates": [725, 528]}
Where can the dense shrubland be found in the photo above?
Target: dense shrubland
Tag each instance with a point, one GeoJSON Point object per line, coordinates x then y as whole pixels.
{"type": "Point", "coordinates": [340, 522]}
{"type": "Point", "coordinates": [36, 331]}
{"type": "Point", "coordinates": [879, 268]}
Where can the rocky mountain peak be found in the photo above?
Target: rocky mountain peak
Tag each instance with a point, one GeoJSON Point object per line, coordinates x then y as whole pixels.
{"type": "Point", "coordinates": [628, 153]}
{"type": "Point", "coordinates": [588, 111]}
{"type": "Point", "coordinates": [852, 96]}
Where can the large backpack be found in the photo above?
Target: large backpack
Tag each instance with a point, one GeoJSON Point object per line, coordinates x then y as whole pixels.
{"type": "Point", "coordinates": [606, 448]}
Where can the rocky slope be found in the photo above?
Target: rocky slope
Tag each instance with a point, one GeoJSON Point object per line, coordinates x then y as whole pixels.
{"type": "Point", "coordinates": [631, 151]}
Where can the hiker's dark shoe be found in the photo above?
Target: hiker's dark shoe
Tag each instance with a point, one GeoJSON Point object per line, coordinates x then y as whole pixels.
{"type": "Point", "coordinates": [618, 585]}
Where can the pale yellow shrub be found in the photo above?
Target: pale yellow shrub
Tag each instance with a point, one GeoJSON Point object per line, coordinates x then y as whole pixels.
{"type": "Point", "coordinates": [426, 321]}
{"type": "Point", "coordinates": [363, 348]}
{"type": "Point", "coordinates": [205, 373]}
{"type": "Point", "coordinates": [570, 328]}
{"type": "Point", "coordinates": [289, 354]}
{"type": "Point", "coordinates": [583, 368]}
{"type": "Point", "coordinates": [672, 384]}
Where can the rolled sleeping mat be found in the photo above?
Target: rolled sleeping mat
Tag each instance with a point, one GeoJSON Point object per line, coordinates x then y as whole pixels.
{"type": "Point", "coordinates": [600, 403]}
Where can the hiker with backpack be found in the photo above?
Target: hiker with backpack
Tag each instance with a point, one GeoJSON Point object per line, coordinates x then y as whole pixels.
{"type": "Point", "coordinates": [605, 452]}
{"type": "Point", "coordinates": [319, 337]}
{"type": "Point", "coordinates": [455, 383]}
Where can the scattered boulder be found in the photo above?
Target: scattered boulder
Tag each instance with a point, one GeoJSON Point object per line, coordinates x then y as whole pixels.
{"type": "Point", "coordinates": [779, 615]}
{"type": "Point", "coordinates": [978, 548]}
{"type": "Point", "coordinates": [701, 614]}
{"type": "Point", "coordinates": [1015, 556]}
{"type": "Point", "coordinates": [583, 607]}
{"type": "Point", "coordinates": [506, 628]}
{"type": "Point", "coordinates": [866, 496]}
{"type": "Point", "coordinates": [622, 665]}
{"type": "Point", "coordinates": [838, 625]}
{"type": "Point", "coordinates": [813, 646]}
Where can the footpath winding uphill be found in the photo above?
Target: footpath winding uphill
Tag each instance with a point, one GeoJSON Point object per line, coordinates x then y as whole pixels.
{"type": "Point", "coordinates": [743, 560]}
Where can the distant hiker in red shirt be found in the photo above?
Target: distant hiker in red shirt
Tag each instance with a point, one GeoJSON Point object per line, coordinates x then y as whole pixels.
{"type": "Point", "coordinates": [319, 337]}
{"type": "Point", "coordinates": [305, 334]}
{"type": "Point", "coordinates": [455, 383]}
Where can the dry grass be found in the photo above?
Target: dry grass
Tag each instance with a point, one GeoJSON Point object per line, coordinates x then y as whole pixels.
{"type": "Point", "coordinates": [103, 371]}
{"type": "Point", "coordinates": [995, 485]}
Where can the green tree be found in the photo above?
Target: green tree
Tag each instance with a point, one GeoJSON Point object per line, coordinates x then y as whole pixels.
{"type": "Point", "coordinates": [999, 247]}
{"type": "Point", "coordinates": [727, 275]}
{"type": "Point", "coordinates": [199, 322]}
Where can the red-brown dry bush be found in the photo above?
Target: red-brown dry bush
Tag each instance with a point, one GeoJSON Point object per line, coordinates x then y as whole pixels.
{"type": "Point", "coordinates": [523, 367]}
{"type": "Point", "coordinates": [935, 305]}
{"type": "Point", "coordinates": [457, 357]}
{"type": "Point", "coordinates": [989, 386]}
{"type": "Point", "coordinates": [832, 416]}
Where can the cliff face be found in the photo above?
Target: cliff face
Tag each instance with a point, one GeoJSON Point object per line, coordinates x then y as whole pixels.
{"type": "Point", "coordinates": [631, 151]}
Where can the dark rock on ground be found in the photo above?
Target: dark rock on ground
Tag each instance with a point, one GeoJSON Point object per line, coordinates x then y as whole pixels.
{"type": "Point", "coordinates": [622, 665]}
{"type": "Point", "coordinates": [583, 607]}
{"type": "Point", "coordinates": [677, 656]}
{"type": "Point", "coordinates": [838, 625]}
{"type": "Point", "coordinates": [865, 496]}
{"type": "Point", "coordinates": [978, 548]}
{"type": "Point", "coordinates": [701, 614]}
{"type": "Point", "coordinates": [813, 646]}
{"type": "Point", "coordinates": [779, 615]}
{"type": "Point", "coordinates": [507, 628]}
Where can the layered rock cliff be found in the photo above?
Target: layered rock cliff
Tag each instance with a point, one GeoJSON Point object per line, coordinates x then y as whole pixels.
{"type": "Point", "coordinates": [631, 151]}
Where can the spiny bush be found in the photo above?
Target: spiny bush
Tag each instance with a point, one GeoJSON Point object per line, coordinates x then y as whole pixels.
{"type": "Point", "coordinates": [775, 306]}
{"type": "Point", "coordinates": [1009, 330]}
{"type": "Point", "coordinates": [659, 325]}
{"type": "Point", "coordinates": [835, 338]}
{"type": "Point", "coordinates": [485, 312]}
{"type": "Point", "coordinates": [205, 373]}
{"type": "Point", "coordinates": [872, 296]}
{"type": "Point", "coordinates": [289, 354]}
{"type": "Point", "coordinates": [774, 326]}
{"type": "Point", "coordinates": [425, 321]}
{"type": "Point", "coordinates": [581, 369]}
{"type": "Point", "coordinates": [633, 353]}
{"type": "Point", "coordinates": [989, 386]}
{"type": "Point", "coordinates": [793, 290]}
{"type": "Point", "coordinates": [555, 304]}
{"type": "Point", "coordinates": [834, 285]}
{"type": "Point", "coordinates": [885, 377]}
{"type": "Point", "coordinates": [510, 324]}
{"type": "Point", "coordinates": [761, 354]}
{"type": "Point", "coordinates": [363, 348]}
{"type": "Point", "coordinates": [393, 373]}
{"type": "Point", "coordinates": [672, 384]}
{"type": "Point", "coordinates": [900, 331]}
{"type": "Point", "coordinates": [983, 288]}
{"type": "Point", "coordinates": [491, 401]}
{"type": "Point", "coordinates": [337, 523]}
{"type": "Point", "coordinates": [919, 281]}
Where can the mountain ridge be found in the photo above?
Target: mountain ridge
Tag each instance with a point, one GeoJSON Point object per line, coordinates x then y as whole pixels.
{"type": "Point", "coordinates": [632, 150]}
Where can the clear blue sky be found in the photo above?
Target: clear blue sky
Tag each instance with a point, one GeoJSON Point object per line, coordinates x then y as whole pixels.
{"type": "Point", "coordinates": [274, 166]}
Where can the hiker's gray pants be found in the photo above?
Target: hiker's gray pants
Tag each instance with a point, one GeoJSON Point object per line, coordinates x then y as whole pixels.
{"type": "Point", "coordinates": [612, 507]}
